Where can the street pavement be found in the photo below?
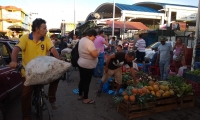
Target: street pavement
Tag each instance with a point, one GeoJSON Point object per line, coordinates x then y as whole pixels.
{"type": "Point", "coordinates": [70, 108]}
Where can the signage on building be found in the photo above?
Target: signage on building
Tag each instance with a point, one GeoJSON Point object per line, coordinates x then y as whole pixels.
{"type": "Point", "coordinates": [179, 26]}
{"type": "Point", "coordinates": [163, 27]}
{"type": "Point", "coordinates": [186, 16]}
{"type": "Point", "coordinates": [11, 15]}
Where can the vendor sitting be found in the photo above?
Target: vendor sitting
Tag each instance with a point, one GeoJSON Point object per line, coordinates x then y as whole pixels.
{"type": "Point", "coordinates": [152, 61]}
{"type": "Point", "coordinates": [114, 65]}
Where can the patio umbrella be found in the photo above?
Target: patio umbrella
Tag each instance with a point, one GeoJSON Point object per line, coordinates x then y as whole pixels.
{"type": "Point", "coordinates": [17, 28]}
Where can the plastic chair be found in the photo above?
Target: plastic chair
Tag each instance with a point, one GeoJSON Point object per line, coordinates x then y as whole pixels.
{"type": "Point", "coordinates": [154, 70]}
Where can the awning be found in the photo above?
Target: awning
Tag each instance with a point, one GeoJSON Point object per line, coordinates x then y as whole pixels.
{"type": "Point", "coordinates": [128, 25]}
{"type": "Point", "coordinates": [16, 28]}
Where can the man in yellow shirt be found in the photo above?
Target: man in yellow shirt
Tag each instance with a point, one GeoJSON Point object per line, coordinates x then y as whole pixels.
{"type": "Point", "coordinates": [33, 45]}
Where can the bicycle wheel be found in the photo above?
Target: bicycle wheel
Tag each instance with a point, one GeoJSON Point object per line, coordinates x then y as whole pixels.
{"type": "Point", "coordinates": [46, 112]}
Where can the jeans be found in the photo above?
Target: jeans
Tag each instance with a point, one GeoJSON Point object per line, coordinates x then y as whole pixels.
{"type": "Point", "coordinates": [146, 67]}
{"type": "Point", "coordinates": [140, 56]}
{"type": "Point", "coordinates": [196, 65]}
{"type": "Point", "coordinates": [85, 79]}
{"type": "Point", "coordinates": [100, 65]}
{"type": "Point", "coordinates": [164, 68]}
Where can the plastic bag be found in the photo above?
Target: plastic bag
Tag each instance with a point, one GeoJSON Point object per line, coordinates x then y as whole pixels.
{"type": "Point", "coordinates": [65, 51]}
{"type": "Point", "coordinates": [44, 70]}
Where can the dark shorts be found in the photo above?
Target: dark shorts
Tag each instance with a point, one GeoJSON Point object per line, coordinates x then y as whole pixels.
{"type": "Point", "coordinates": [140, 56]}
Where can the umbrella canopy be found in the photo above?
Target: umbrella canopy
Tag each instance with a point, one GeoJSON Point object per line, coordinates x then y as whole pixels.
{"type": "Point", "coordinates": [17, 28]}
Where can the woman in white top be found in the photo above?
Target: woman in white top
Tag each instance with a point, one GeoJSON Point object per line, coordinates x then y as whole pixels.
{"type": "Point", "coordinates": [88, 58]}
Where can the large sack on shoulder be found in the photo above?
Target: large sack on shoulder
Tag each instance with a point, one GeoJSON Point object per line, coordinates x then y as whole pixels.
{"type": "Point", "coordinates": [44, 70]}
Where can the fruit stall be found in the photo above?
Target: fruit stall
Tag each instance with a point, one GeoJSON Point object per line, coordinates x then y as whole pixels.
{"type": "Point", "coordinates": [149, 95]}
{"type": "Point", "coordinates": [193, 78]}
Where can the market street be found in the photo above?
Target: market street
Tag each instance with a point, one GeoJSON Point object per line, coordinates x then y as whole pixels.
{"type": "Point", "coordinates": [69, 108]}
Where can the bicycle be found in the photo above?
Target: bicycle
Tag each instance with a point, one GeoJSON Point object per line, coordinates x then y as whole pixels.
{"type": "Point", "coordinates": [42, 106]}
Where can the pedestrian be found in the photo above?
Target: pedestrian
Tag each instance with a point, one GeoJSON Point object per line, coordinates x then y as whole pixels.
{"type": "Point", "coordinates": [125, 46]}
{"type": "Point", "coordinates": [151, 61]}
{"type": "Point", "coordinates": [114, 65]}
{"type": "Point", "coordinates": [164, 57]}
{"type": "Point", "coordinates": [119, 48]}
{"type": "Point", "coordinates": [74, 41]}
{"type": "Point", "coordinates": [33, 45]}
{"type": "Point", "coordinates": [99, 43]}
{"type": "Point", "coordinates": [88, 58]}
{"type": "Point", "coordinates": [113, 45]}
{"type": "Point", "coordinates": [63, 43]}
{"type": "Point", "coordinates": [179, 54]}
{"type": "Point", "coordinates": [140, 53]}
{"type": "Point", "coordinates": [120, 41]}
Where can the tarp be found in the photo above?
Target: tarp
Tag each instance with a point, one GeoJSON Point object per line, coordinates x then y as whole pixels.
{"type": "Point", "coordinates": [128, 25]}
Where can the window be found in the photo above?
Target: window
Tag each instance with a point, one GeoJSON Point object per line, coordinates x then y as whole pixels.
{"type": "Point", "coordinates": [13, 45]}
{"type": "Point", "coordinates": [3, 50]}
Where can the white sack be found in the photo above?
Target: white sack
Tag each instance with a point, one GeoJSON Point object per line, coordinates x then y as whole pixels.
{"type": "Point", "coordinates": [44, 70]}
{"type": "Point", "coordinates": [135, 64]}
{"type": "Point", "coordinates": [65, 51]}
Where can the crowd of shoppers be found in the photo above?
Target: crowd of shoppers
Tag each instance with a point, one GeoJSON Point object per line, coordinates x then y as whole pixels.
{"type": "Point", "coordinates": [91, 59]}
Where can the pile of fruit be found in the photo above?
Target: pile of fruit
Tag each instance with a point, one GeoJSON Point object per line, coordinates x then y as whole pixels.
{"type": "Point", "coordinates": [179, 86]}
{"type": "Point", "coordinates": [140, 96]}
{"type": "Point", "coordinates": [148, 90]}
{"type": "Point", "coordinates": [159, 90]}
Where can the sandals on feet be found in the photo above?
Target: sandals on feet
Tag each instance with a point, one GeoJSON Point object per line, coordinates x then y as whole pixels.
{"type": "Point", "coordinates": [89, 102]}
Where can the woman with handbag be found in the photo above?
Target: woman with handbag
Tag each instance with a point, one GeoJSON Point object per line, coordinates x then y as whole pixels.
{"type": "Point", "coordinates": [180, 50]}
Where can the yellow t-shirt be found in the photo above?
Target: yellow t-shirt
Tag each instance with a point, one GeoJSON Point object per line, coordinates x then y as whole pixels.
{"type": "Point", "coordinates": [31, 50]}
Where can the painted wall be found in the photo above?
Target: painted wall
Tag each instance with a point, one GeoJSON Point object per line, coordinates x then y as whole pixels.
{"type": "Point", "coordinates": [16, 17]}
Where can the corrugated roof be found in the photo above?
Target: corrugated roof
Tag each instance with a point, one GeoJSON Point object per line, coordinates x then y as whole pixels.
{"type": "Point", "coordinates": [163, 4]}
{"type": "Point", "coordinates": [135, 8]}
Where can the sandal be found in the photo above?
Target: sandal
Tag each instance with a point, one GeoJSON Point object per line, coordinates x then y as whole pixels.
{"type": "Point", "coordinates": [89, 102]}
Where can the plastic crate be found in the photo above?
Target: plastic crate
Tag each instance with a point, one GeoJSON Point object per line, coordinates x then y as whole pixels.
{"type": "Point", "coordinates": [191, 77]}
{"type": "Point", "coordinates": [195, 86]}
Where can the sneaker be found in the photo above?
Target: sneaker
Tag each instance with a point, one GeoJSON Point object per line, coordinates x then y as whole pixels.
{"type": "Point", "coordinates": [54, 107]}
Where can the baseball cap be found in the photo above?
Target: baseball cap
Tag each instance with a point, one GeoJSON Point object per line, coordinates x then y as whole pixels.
{"type": "Point", "coordinates": [162, 38]}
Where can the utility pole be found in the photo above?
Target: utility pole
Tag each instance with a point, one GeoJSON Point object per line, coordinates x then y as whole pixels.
{"type": "Point", "coordinates": [113, 22]}
{"type": "Point", "coordinates": [74, 17]}
{"type": "Point", "coordinates": [197, 36]}
{"type": "Point", "coordinates": [30, 22]}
